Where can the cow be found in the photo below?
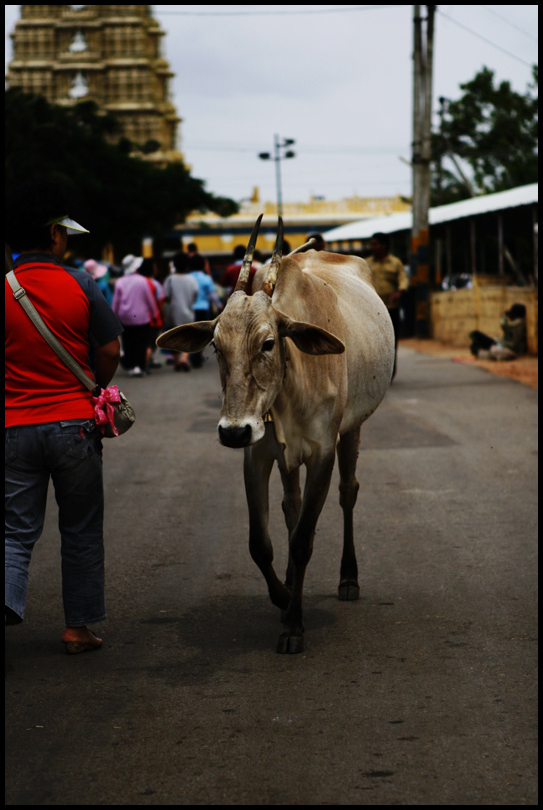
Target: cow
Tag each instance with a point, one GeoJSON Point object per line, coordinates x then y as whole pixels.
{"type": "Point", "coordinates": [303, 362]}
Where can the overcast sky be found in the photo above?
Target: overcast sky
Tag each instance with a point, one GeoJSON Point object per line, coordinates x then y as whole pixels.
{"type": "Point", "coordinates": [337, 79]}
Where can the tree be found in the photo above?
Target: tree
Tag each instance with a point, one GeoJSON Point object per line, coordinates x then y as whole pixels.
{"type": "Point", "coordinates": [487, 140]}
{"type": "Point", "coordinates": [120, 198]}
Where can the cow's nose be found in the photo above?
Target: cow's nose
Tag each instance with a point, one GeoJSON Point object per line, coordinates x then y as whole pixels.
{"type": "Point", "coordinates": [235, 436]}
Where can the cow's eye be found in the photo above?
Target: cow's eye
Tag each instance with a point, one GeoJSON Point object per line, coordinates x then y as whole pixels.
{"type": "Point", "coordinates": [215, 349]}
{"type": "Point", "coordinates": [268, 345]}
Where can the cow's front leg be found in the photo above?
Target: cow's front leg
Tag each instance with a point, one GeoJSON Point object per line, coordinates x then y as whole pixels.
{"type": "Point", "coordinates": [292, 502]}
{"type": "Point", "coordinates": [257, 467]}
{"type": "Point", "coordinates": [319, 472]}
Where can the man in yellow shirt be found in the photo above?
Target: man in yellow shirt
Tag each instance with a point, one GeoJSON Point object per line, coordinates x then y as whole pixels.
{"type": "Point", "coordinates": [390, 280]}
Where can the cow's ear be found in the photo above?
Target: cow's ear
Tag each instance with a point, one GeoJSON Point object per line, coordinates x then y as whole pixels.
{"type": "Point", "coordinates": [190, 337]}
{"type": "Point", "coordinates": [309, 338]}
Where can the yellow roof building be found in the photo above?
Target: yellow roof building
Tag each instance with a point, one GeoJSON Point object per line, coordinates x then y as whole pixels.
{"type": "Point", "coordinates": [218, 236]}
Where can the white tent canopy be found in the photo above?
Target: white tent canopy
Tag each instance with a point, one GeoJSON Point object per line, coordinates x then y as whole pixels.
{"type": "Point", "coordinates": [363, 229]}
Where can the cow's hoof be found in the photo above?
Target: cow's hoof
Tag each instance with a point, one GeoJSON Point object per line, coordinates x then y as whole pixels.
{"type": "Point", "coordinates": [348, 591]}
{"type": "Point", "coordinates": [289, 644]}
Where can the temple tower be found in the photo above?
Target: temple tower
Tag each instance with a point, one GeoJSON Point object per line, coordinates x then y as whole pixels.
{"type": "Point", "coordinates": [110, 54]}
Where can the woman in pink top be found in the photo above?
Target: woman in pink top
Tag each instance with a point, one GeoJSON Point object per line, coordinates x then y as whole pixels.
{"type": "Point", "coordinates": [135, 306]}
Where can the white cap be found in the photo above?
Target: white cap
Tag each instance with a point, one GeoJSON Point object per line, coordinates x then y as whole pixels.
{"type": "Point", "coordinates": [73, 227]}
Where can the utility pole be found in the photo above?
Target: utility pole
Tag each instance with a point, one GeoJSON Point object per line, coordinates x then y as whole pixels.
{"type": "Point", "coordinates": [422, 125]}
{"type": "Point", "coordinates": [278, 157]}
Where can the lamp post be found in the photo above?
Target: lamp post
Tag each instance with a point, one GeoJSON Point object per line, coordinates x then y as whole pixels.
{"type": "Point", "coordinates": [278, 156]}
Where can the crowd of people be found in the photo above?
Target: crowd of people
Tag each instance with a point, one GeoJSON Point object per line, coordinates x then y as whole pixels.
{"type": "Point", "coordinates": [148, 302]}
{"type": "Point", "coordinates": [146, 306]}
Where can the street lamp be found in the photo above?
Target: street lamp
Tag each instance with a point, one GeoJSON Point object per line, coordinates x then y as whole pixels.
{"type": "Point", "coordinates": [278, 156]}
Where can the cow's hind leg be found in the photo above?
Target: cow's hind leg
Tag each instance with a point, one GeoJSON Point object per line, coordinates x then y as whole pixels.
{"type": "Point", "coordinates": [347, 453]}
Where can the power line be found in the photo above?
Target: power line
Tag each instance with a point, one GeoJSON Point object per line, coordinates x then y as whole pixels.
{"type": "Point", "coordinates": [307, 150]}
{"type": "Point", "coordinates": [484, 39]}
{"type": "Point", "coordinates": [509, 22]}
{"type": "Point", "coordinates": [275, 13]}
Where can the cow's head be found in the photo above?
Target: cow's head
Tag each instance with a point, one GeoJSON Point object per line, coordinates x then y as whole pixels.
{"type": "Point", "coordinates": [248, 338]}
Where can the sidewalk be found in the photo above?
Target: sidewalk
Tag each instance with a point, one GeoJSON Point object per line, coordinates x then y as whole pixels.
{"type": "Point", "coordinates": [523, 370]}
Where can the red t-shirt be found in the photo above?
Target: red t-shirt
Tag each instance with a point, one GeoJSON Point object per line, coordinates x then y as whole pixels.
{"type": "Point", "coordinates": [231, 275]}
{"type": "Point", "coordinates": [39, 387]}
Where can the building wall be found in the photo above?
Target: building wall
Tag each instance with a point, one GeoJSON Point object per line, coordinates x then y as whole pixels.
{"type": "Point", "coordinates": [108, 53]}
{"type": "Point", "coordinates": [456, 313]}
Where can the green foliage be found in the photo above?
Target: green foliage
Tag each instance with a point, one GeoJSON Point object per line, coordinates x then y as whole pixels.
{"type": "Point", "coordinates": [488, 137]}
{"type": "Point", "coordinates": [119, 198]}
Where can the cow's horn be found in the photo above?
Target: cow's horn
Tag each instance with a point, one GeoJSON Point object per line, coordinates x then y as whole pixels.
{"type": "Point", "coordinates": [243, 277]}
{"type": "Point", "coordinates": [271, 276]}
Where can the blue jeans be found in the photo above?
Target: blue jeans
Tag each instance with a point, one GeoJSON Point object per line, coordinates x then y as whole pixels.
{"type": "Point", "coordinates": [70, 453]}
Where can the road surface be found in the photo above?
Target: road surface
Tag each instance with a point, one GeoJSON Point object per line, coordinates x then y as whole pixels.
{"type": "Point", "coordinates": [422, 692]}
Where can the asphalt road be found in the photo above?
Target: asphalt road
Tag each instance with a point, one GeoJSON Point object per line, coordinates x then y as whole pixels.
{"type": "Point", "coordinates": [422, 692]}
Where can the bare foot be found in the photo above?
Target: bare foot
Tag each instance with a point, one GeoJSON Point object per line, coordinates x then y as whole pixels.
{"type": "Point", "coordinates": [80, 639]}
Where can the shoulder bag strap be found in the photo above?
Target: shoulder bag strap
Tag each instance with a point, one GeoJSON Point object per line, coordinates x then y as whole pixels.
{"type": "Point", "coordinates": [19, 293]}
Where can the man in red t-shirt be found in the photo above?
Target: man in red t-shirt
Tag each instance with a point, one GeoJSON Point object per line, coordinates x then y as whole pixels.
{"type": "Point", "coordinates": [50, 427]}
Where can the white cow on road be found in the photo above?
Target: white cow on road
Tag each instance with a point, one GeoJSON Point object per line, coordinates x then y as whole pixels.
{"type": "Point", "coordinates": [304, 361]}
